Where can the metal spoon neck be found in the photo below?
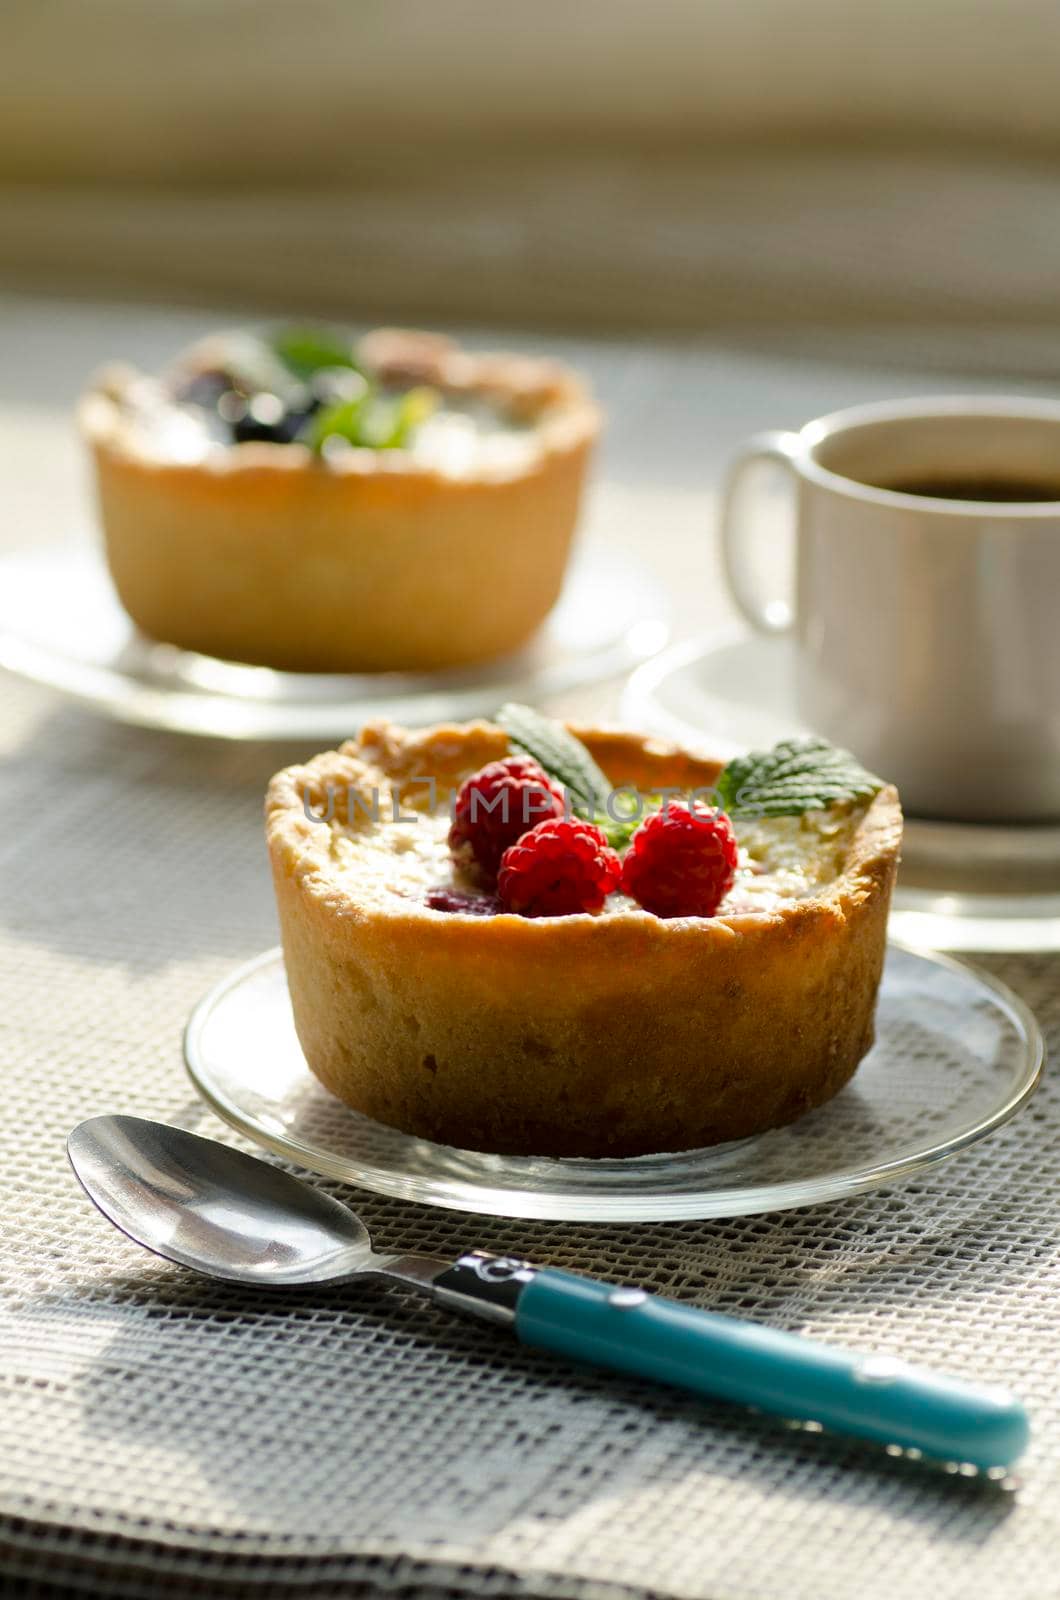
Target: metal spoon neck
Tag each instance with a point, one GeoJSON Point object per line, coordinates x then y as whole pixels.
{"type": "Point", "coordinates": [419, 1271]}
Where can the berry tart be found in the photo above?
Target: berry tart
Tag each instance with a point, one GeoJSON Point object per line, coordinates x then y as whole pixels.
{"type": "Point", "coordinates": [531, 939]}
{"type": "Point", "coordinates": [294, 501]}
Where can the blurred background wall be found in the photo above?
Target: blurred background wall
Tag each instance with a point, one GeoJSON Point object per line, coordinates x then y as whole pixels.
{"type": "Point", "coordinates": [883, 174]}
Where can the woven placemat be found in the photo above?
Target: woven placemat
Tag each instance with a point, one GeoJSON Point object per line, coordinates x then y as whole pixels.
{"type": "Point", "coordinates": [159, 1431]}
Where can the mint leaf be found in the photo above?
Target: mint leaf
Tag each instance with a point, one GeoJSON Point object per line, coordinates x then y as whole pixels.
{"type": "Point", "coordinates": [563, 757]}
{"type": "Point", "coordinates": [305, 351]}
{"type": "Point", "coordinates": [371, 422]}
{"type": "Point", "coordinates": [797, 775]}
{"type": "Point", "coordinates": [390, 423]}
{"type": "Point", "coordinates": [344, 418]}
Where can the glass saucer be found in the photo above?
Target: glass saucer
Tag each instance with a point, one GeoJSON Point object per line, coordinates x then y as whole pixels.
{"type": "Point", "coordinates": [61, 625]}
{"type": "Point", "coordinates": [956, 1055]}
{"type": "Point", "coordinates": [962, 885]}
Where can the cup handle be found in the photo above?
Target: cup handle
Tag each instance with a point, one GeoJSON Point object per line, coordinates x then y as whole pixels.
{"type": "Point", "coordinates": [768, 616]}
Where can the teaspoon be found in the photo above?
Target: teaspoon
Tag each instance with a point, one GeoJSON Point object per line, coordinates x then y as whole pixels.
{"type": "Point", "coordinates": [232, 1216]}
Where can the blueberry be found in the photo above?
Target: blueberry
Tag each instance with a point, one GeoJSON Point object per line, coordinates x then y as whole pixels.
{"type": "Point", "coordinates": [260, 415]}
{"type": "Point", "coordinates": [263, 418]}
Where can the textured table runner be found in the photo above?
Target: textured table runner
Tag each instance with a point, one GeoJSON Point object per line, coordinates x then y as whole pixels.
{"type": "Point", "coordinates": [330, 1434]}
{"type": "Point", "coordinates": [162, 1434]}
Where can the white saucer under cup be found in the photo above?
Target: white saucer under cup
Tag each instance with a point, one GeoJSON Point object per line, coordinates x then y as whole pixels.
{"type": "Point", "coordinates": [956, 1055]}
{"type": "Point", "coordinates": [961, 886]}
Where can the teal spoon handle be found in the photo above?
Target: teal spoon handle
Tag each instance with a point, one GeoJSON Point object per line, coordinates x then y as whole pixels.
{"type": "Point", "coordinates": [873, 1397]}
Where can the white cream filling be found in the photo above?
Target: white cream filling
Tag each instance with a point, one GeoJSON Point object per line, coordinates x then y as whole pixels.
{"type": "Point", "coordinates": [460, 439]}
{"type": "Point", "coordinates": [782, 859]}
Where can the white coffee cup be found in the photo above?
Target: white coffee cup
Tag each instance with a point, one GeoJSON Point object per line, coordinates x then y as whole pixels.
{"type": "Point", "coordinates": [927, 627]}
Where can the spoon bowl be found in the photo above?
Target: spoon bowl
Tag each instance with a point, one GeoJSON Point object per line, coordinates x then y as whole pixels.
{"type": "Point", "coordinates": [214, 1209]}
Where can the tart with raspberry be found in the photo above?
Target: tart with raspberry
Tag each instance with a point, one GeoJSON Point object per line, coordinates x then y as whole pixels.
{"type": "Point", "coordinates": [645, 951]}
{"type": "Point", "coordinates": [298, 502]}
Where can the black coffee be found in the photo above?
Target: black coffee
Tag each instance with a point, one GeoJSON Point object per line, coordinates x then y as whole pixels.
{"type": "Point", "coordinates": [1023, 490]}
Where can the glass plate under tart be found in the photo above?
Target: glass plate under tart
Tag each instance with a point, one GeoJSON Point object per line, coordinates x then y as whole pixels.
{"type": "Point", "coordinates": [61, 624]}
{"type": "Point", "coordinates": [956, 1055]}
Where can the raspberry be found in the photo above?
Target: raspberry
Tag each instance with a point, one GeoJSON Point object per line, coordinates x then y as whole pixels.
{"type": "Point", "coordinates": [559, 867]}
{"type": "Point", "coordinates": [496, 807]}
{"type": "Point", "coordinates": [471, 905]}
{"type": "Point", "coordinates": [681, 862]}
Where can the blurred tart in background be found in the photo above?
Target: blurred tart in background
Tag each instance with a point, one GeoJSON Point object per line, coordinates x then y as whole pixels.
{"type": "Point", "coordinates": [297, 501]}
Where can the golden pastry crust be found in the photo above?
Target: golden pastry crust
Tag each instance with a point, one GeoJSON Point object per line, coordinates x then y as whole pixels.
{"type": "Point", "coordinates": [374, 561]}
{"type": "Point", "coordinates": [581, 1035]}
